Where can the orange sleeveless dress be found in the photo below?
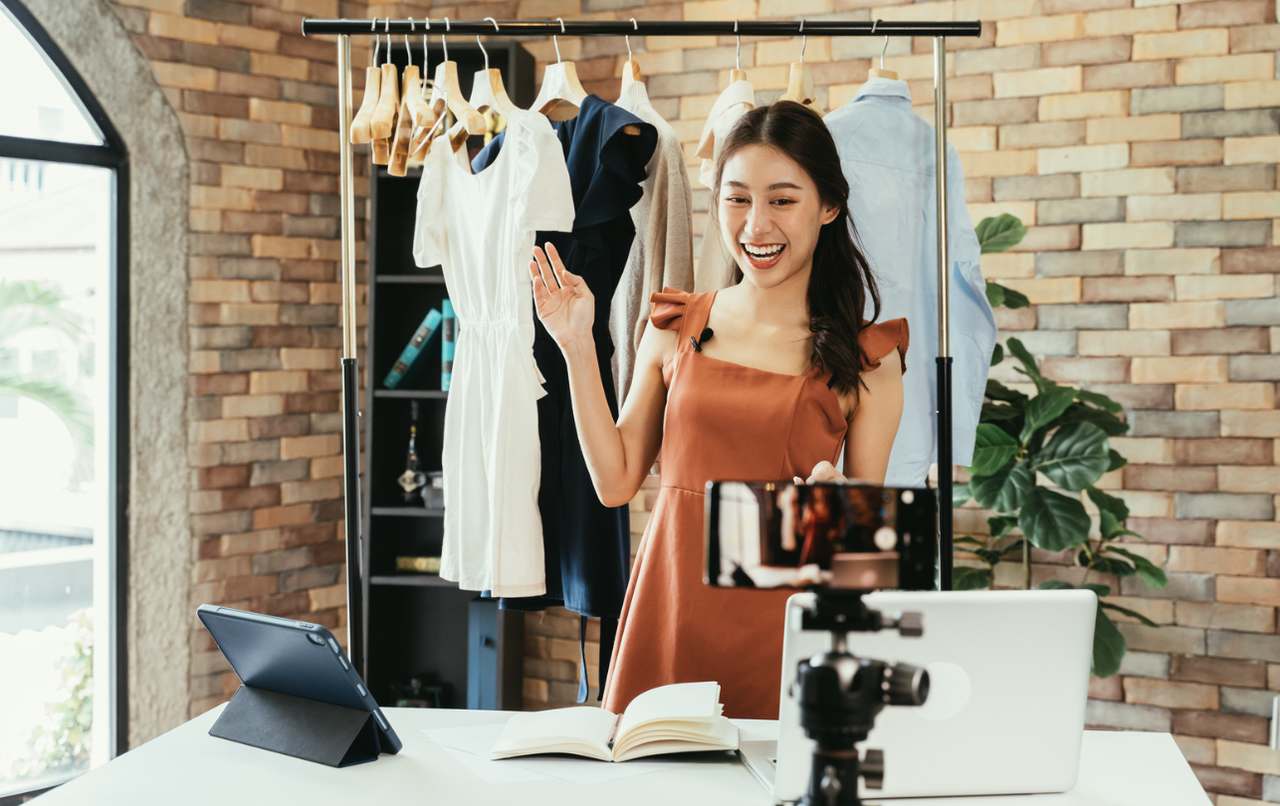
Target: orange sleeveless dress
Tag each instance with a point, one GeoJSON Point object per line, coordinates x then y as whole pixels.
{"type": "Point", "coordinates": [732, 422]}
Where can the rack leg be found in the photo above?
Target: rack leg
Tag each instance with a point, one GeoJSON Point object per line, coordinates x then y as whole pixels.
{"type": "Point", "coordinates": [945, 477]}
{"type": "Point", "coordinates": [944, 315]}
{"type": "Point", "coordinates": [350, 374]}
{"type": "Point", "coordinates": [351, 493]}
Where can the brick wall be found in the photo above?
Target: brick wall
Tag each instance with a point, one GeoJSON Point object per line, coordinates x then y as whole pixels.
{"type": "Point", "coordinates": [257, 105]}
{"type": "Point", "coordinates": [1138, 144]}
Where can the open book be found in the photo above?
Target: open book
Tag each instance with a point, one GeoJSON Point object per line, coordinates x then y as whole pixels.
{"type": "Point", "coordinates": [679, 718]}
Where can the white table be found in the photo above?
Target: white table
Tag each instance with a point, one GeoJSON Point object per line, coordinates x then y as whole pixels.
{"type": "Point", "coordinates": [187, 767]}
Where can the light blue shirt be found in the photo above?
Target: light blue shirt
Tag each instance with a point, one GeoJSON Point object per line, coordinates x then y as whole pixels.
{"type": "Point", "coordinates": [887, 152]}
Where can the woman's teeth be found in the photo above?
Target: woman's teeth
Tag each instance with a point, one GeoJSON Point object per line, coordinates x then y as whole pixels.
{"type": "Point", "coordinates": [764, 257]}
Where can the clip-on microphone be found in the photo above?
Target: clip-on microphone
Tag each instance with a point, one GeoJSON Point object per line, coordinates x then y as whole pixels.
{"type": "Point", "coordinates": [702, 339]}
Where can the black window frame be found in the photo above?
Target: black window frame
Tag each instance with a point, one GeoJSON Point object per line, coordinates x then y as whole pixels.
{"type": "Point", "coordinates": [112, 154]}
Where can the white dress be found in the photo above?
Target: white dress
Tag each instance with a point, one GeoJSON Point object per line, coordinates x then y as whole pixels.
{"type": "Point", "coordinates": [480, 228]}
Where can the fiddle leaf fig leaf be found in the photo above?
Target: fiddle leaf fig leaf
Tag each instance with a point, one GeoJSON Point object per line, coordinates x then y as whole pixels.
{"type": "Point", "coordinates": [998, 391]}
{"type": "Point", "coordinates": [966, 578]}
{"type": "Point", "coordinates": [1075, 457]}
{"type": "Point", "coordinates": [1133, 614]}
{"type": "Point", "coordinates": [1100, 400]}
{"type": "Point", "coordinates": [1001, 524]}
{"type": "Point", "coordinates": [992, 449]}
{"type": "Point", "coordinates": [1107, 565]}
{"type": "Point", "coordinates": [1012, 547]}
{"type": "Point", "coordinates": [1108, 645]}
{"type": "Point", "coordinates": [1114, 460]}
{"type": "Point", "coordinates": [1150, 573]}
{"type": "Point", "coordinates": [998, 233]}
{"type": "Point", "coordinates": [1044, 408]}
{"type": "Point", "coordinates": [1028, 363]}
{"type": "Point", "coordinates": [1003, 491]}
{"type": "Point", "coordinates": [1105, 502]}
{"type": "Point", "coordinates": [1053, 521]}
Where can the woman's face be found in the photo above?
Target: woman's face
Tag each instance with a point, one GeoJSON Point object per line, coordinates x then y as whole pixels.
{"type": "Point", "coordinates": [770, 214]}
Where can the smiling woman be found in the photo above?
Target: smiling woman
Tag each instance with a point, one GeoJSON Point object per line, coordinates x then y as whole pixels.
{"type": "Point", "coordinates": [767, 379]}
{"type": "Point", "coordinates": [783, 201]}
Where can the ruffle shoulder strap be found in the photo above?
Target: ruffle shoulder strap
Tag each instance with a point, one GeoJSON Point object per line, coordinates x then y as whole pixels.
{"type": "Point", "coordinates": [668, 308]}
{"type": "Point", "coordinates": [879, 339]}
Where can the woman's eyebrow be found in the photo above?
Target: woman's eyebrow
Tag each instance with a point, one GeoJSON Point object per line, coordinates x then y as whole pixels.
{"type": "Point", "coordinates": [774, 186]}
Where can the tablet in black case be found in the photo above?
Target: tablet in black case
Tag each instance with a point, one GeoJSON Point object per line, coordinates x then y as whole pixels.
{"type": "Point", "coordinates": [298, 695]}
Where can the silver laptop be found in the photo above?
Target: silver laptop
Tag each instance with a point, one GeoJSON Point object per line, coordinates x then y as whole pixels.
{"type": "Point", "coordinates": [1005, 715]}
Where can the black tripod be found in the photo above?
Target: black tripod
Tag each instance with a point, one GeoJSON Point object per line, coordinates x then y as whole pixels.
{"type": "Point", "coordinates": [840, 696]}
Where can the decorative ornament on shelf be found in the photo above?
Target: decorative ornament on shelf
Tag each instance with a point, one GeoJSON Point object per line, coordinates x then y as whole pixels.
{"type": "Point", "coordinates": [412, 479]}
{"type": "Point", "coordinates": [1035, 455]}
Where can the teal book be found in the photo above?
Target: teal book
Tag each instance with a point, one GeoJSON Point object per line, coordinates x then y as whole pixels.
{"type": "Point", "coordinates": [413, 349]}
{"type": "Point", "coordinates": [448, 343]}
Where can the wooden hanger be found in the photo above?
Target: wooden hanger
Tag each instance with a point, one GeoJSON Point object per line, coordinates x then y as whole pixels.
{"type": "Point", "coordinates": [430, 108]}
{"type": "Point", "coordinates": [372, 88]}
{"type": "Point", "coordinates": [381, 151]}
{"type": "Point", "coordinates": [458, 134]}
{"type": "Point", "coordinates": [398, 163]}
{"type": "Point", "coordinates": [561, 92]}
{"type": "Point", "coordinates": [446, 84]}
{"type": "Point", "coordinates": [737, 73]}
{"type": "Point", "coordinates": [487, 89]}
{"type": "Point", "coordinates": [881, 72]}
{"type": "Point", "coordinates": [429, 136]}
{"type": "Point", "coordinates": [424, 124]}
{"type": "Point", "coordinates": [383, 122]}
{"type": "Point", "coordinates": [799, 85]}
{"type": "Point", "coordinates": [488, 92]}
{"type": "Point", "coordinates": [413, 96]}
{"type": "Point", "coordinates": [799, 79]}
{"type": "Point", "coordinates": [412, 92]}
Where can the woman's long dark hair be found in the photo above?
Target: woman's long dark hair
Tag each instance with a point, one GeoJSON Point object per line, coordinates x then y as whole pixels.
{"type": "Point", "coordinates": [841, 280]}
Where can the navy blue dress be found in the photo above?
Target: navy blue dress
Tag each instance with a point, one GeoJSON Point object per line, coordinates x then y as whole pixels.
{"type": "Point", "coordinates": [586, 545]}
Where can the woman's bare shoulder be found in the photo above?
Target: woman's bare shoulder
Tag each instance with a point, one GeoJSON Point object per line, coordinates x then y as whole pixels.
{"type": "Point", "coordinates": [657, 346]}
{"type": "Point", "coordinates": [882, 385]}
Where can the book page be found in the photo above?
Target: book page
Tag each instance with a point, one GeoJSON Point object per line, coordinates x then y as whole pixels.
{"type": "Point", "coordinates": [721, 734]}
{"type": "Point", "coordinates": [684, 702]}
{"type": "Point", "coordinates": [582, 730]}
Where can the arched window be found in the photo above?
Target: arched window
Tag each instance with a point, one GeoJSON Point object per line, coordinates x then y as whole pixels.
{"type": "Point", "coordinates": [63, 404]}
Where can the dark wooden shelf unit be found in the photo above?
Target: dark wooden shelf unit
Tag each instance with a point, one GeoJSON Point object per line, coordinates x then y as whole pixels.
{"type": "Point", "coordinates": [419, 625]}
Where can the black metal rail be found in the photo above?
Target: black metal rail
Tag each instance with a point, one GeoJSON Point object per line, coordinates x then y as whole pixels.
{"type": "Point", "coordinates": [312, 27]}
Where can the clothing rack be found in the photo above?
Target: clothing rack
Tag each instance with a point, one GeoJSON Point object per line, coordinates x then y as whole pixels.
{"type": "Point", "coordinates": [344, 29]}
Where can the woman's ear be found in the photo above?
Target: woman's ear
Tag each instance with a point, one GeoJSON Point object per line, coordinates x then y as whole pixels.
{"type": "Point", "coordinates": [829, 214]}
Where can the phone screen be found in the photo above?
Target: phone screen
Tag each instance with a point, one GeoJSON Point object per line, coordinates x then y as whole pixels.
{"type": "Point", "coordinates": [848, 536]}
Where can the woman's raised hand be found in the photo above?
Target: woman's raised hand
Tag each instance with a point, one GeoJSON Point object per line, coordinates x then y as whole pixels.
{"type": "Point", "coordinates": [564, 304]}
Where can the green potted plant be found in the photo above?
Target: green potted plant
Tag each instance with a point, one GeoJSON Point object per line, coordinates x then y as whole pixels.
{"type": "Point", "coordinates": [1036, 457]}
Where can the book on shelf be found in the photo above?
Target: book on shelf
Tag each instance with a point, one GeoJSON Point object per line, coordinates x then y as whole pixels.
{"type": "Point", "coordinates": [448, 343]}
{"type": "Point", "coordinates": [677, 718]}
{"type": "Point", "coordinates": [426, 329]}
{"type": "Point", "coordinates": [420, 565]}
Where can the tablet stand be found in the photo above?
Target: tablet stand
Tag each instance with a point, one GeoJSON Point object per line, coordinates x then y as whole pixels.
{"type": "Point", "coordinates": [295, 726]}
